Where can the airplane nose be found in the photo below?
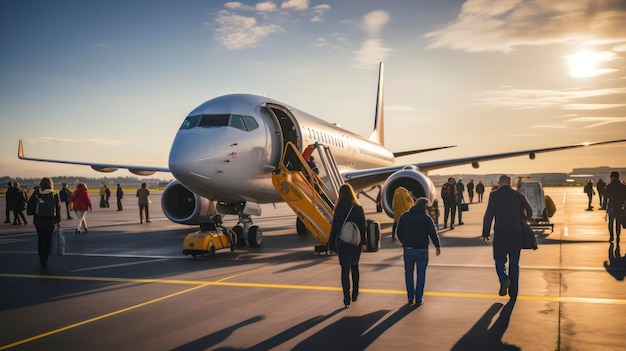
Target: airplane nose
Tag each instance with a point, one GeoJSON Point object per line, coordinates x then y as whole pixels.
{"type": "Point", "coordinates": [192, 157]}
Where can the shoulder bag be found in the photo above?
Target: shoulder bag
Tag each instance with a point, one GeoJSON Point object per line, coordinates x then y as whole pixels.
{"type": "Point", "coordinates": [350, 233]}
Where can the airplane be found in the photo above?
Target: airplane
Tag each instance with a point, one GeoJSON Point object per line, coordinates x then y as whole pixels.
{"type": "Point", "coordinates": [226, 149]}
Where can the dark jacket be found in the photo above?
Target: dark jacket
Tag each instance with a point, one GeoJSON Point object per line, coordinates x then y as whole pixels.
{"type": "Point", "coordinates": [65, 194]}
{"type": "Point", "coordinates": [348, 254]}
{"type": "Point", "coordinates": [614, 196]}
{"type": "Point", "coordinates": [505, 205]}
{"type": "Point", "coordinates": [415, 227]}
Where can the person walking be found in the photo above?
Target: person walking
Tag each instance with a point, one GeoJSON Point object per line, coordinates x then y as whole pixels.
{"type": "Point", "coordinates": [45, 222]}
{"type": "Point", "coordinates": [81, 203]}
{"type": "Point", "coordinates": [470, 190]}
{"type": "Point", "coordinates": [614, 197]}
{"type": "Point", "coordinates": [506, 205]}
{"type": "Point", "coordinates": [460, 188]}
{"type": "Point", "coordinates": [401, 202]}
{"type": "Point", "coordinates": [143, 195]}
{"type": "Point", "coordinates": [448, 194]}
{"type": "Point", "coordinates": [588, 189]}
{"type": "Point", "coordinates": [65, 194]}
{"type": "Point", "coordinates": [348, 208]}
{"type": "Point", "coordinates": [103, 193]}
{"type": "Point", "coordinates": [601, 186]}
{"type": "Point", "coordinates": [480, 190]}
{"type": "Point", "coordinates": [119, 193]}
{"type": "Point", "coordinates": [415, 227]}
{"type": "Point", "coordinates": [10, 202]}
{"type": "Point", "coordinates": [19, 205]}
{"type": "Point", "coordinates": [107, 195]}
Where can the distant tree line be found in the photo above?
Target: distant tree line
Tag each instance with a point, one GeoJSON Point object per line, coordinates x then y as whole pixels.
{"type": "Point", "coordinates": [111, 182]}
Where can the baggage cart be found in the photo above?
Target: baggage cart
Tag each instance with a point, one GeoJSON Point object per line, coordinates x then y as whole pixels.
{"type": "Point", "coordinates": [533, 191]}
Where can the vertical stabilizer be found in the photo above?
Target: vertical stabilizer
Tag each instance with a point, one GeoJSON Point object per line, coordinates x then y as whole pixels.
{"type": "Point", "coordinates": [378, 135]}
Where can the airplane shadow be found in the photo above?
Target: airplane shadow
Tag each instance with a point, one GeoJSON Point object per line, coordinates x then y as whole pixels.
{"type": "Point", "coordinates": [485, 338]}
{"type": "Point", "coordinates": [616, 264]}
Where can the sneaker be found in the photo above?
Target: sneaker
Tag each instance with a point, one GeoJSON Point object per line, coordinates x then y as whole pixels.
{"type": "Point", "coordinates": [504, 287]}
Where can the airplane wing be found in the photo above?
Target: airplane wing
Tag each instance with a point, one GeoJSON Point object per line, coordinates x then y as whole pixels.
{"type": "Point", "coordinates": [411, 152]}
{"type": "Point", "coordinates": [100, 167]}
{"type": "Point", "coordinates": [366, 178]}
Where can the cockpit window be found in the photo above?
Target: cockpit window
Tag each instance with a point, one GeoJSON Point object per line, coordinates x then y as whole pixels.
{"type": "Point", "coordinates": [251, 123]}
{"type": "Point", "coordinates": [237, 122]}
{"type": "Point", "coordinates": [209, 121]}
{"type": "Point", "coordinates": [190, 122]}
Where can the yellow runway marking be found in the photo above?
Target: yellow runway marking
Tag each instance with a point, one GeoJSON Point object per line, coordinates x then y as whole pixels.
{"type": "Point", "coordinates": [223, 282]}
{"type": "Point", "coordinates": [56, 331]}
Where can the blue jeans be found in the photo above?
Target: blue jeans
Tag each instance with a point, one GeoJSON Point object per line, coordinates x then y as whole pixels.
{"type": "Point", "coordinates": [500, 258]}
{"type": "Point", "coordinates": [413, 258]}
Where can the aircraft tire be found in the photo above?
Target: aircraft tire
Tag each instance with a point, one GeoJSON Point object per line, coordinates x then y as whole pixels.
{"type": "Point", "coordinates": [233, 240]}
{"type": "Point", "coordinates": [255, 236]}
{"type": "Point", "coordinates": [241, 241]}
{"type": "Point", "coordinates": [301, 228]}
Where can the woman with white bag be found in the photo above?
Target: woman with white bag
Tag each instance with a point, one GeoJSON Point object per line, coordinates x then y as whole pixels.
{"type": "Point", "coordinates": [348, 209]}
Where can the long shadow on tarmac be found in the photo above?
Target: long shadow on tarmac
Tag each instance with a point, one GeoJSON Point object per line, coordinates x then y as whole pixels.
{"type": "Point", "coordinates": [616, 264]}
{"type": "Point", "coordinates": [482, 337]}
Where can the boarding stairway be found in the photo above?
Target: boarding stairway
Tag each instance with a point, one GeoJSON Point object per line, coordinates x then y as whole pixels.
{"type": "Point", "coordinates": [310, 196]}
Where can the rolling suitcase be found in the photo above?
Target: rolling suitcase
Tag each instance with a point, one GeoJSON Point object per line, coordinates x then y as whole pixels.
{"type": "Point", "coordinates": [372, 236]}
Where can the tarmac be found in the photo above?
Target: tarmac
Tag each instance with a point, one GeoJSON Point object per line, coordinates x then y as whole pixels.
{"type": "Point", "coordinates": [127, 286]}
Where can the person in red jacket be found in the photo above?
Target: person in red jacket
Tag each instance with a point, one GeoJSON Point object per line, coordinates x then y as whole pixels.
{"type": "Point", "coordinates": [81, 203]}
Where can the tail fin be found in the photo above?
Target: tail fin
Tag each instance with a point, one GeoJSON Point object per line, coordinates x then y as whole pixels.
{"type": "Point", "coordinates": [378, 135]}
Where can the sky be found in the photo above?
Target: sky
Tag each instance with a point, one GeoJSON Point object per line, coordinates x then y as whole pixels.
{"type": "Point", "coordinates": [112, 81]}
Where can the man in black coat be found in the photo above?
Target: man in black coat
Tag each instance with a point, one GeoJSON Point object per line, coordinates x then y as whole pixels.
{"type": "Point", "coordinates": [505, 205]}
{"type": "Point", "coordinates": [10, 200]}
{"type": "Point", "coordinates": [614, 197]}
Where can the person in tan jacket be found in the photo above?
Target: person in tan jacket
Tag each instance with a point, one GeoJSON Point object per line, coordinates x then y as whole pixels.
{"type": "Point", "coordinates": [402, 201]}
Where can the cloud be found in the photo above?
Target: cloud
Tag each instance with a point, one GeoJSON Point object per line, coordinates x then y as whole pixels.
{"type": "Point", "coordinates": [92, 141]}
{"type": "Point", "coordinates": [523, 99]}
{"type": "Point", "coordinates": [267, 6]}
{"type": "Point", "coordinates": [299, 5]}
{"type": "Point", "coordinates": [319, 11]}
{"type": "Point", "coordinates": [485, 25]}
{"type": "Point", "coordinates": [373, 49]}
{"type": "Point", "coordinates": [597, 121]}
{"type": "Point", "coordinates": [238, 32]}
{"type": "Point", "coordinates": [242, 26]}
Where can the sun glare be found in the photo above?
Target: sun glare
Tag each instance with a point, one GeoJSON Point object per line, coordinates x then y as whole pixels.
{"type": "Point", "coordinates": [584, 64]}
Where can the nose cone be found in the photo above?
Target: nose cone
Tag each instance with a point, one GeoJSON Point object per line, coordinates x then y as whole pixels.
{"type": "Point", "coordinates": [192, 158]}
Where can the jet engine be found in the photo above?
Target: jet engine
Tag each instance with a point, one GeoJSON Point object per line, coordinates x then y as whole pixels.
{"type": "Point", "coordinates": [183, 206]}
{"type": "Point", "coordinates": [410, 178]}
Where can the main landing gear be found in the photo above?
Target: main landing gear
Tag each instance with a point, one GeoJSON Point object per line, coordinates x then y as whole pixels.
{"type": "Point", "coordinates": [244, 230]}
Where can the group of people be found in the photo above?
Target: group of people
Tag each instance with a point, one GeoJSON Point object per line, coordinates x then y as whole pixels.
{"type": "Point", "coordinates": [77, 201]}
{"type": "Point", "coordinates": [414, 227]}
{"type": "Point", "coordinates": [454, 201]}
{"type": "Point", "coordinates": [414, 230]}
{"type": "Point", "coordinates": [16, 198]}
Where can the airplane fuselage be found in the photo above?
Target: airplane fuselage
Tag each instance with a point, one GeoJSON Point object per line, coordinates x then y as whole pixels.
{"type": "Point", "coordinates": [228, 147]}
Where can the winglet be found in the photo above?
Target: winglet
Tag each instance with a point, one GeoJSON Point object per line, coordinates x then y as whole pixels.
{"type": "Point", "coordinates": [20, 150]}
{"type": "Point", "coordinates": [378, 135]}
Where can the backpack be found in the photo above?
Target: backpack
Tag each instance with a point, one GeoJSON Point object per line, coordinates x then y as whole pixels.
{"type": "Point", "coordinates": [350, 233]}
{"type": "Point", "coordinates": [42, 205]}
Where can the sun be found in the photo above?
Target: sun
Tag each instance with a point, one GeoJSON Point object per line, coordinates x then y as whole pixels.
{"type": "Point", "coordinates": [585, 63]}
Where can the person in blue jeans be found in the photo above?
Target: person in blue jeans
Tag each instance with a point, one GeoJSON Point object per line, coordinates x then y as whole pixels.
{"type": "Point", "coordinates": [414, 229]}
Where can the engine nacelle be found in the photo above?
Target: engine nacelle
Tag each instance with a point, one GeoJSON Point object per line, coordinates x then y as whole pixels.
{"type": "Point", "coordinates": [411, 179]}
{"type": "Point", "coordinates": [182, 206]}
